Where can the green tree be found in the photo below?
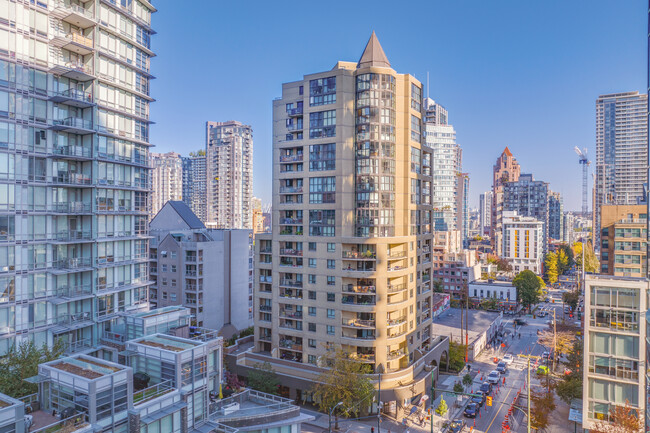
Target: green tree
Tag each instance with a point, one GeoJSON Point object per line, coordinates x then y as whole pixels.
{"type": "Point", "coordinates": [571, 298]}
{"type": "Point", "coordinates": [489, 304]}
{"type": "Point", "coordinates": [591, 261]}
{"type": "Point", "coordinates": [442, 408]}
{"type": "Point", "coordinates": [551, 267]}
{"type": "Point", "coordinates": [456, 356]}
{"type": "Point", "coordinates": [569, 389]}
{"type": "Point", "coordinates": [458, 388]}
{"type": "Point", "coordinates": [467, 380]}
{"type": "Point", "coordinates": [263, 378]}
{"type": "Point", "coordinates": [562, 261]}
{"type": "Point", "coordinates": [22, 362]}
{"type": "Point", "coordinates": [437, 286]}
{"type": "Point", "coordinates": [543, 403]}
{"type": "Point", "coordinates": [529, 288]}
{"type": "Point", "coordinates": [346, 380]}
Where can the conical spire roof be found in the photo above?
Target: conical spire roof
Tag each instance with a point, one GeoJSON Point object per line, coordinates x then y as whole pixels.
{"type": "Point", "coordinates": [373, 55]}
{"type": "Point", "coordinates": [507, 151]}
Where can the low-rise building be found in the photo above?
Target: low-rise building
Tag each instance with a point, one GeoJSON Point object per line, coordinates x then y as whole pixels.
{"type": "Point", "coordinates": [483, 327]}
{"type": "Point", "coordinates": [208, 271]}
{"type": "Point", "coordinates": [503, 291]}
{"type": "Point", "coordinates": [453, 271]}
{"type": "Point", "coordinates": [523, 242]}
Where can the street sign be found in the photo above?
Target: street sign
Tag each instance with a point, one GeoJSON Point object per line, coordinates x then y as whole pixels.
{"type": "Point", "coordinates": [575, 415]}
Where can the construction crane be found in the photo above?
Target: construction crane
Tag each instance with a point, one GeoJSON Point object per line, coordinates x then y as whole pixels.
{"type": "Point", "coordinates": [584, 161]}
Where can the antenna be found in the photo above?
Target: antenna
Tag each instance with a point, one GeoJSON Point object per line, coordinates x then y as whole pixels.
{"type": "Point", "coordinates": [427, 84]}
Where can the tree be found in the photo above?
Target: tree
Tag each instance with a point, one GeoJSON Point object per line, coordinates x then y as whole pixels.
{"type": "Point", "coordinates": [467, 380]}
{"type": "Point", "coordinates": [562, 261]}
{"type": "Point", "coordinates": [622, 419]}
{"type": "Point", "coordinates": [456, 356]}
{"type": "Point", "coordinates": [551, 268]}
{"type": "Point", "coordinates": [502, 264]}
{"type": "Point", "coordinates": [437, 286]}
{"type": "Point", "coordinates": [569, 390]}
{"type": "Point", "coordinates": [344, 381]}
{"type": "Point", "coordinates": [529, 288]}
{"type": "Point", "coordinates": [458, 388]}
{"type": "Point", "coordinates": [233, 382]}
{"type": "Point", "coordinates": [571, 298]}
{"type": "Point", "coordinates": [263, 378]}
{"type": "Point", "coordinates": [591, 261]}
{"type": "Point", "coordinates": [22, 362]}
{"type": "Point", "coordinates": [543, 403]}
{"type": "Point", "coordinates": [568, 251]}
{"type": "Point", "coordinates": [564, 338]}
{"type": "Point", "coordinates": [490, 304]}
{"type": "Point", "coordinates": [442, 408]}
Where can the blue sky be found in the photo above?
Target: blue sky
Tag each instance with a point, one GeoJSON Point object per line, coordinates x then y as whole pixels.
{"type": "Point", "coordinates": [521, 73]}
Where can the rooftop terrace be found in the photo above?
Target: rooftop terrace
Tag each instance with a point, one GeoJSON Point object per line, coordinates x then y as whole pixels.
{"type": "Point", "coordinates": [90, 368]}
{"type": "Point", "coordinates": [165, 342]}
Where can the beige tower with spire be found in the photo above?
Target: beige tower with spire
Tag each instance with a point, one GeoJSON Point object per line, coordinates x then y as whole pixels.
{"type": "Point", "coordinates": [506, 169]}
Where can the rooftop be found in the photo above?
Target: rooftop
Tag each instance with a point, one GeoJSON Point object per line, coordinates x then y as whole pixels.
{"type": "Point", "coordinates": [85, 366]}
{"type": "Point", "coordinates": [493, 283]}
{"type": "Point", "coordinates": [165, 342]}
{"type": "Point", "coordinates": [478, 321]}
{"type": "Point", "coordinates": [159, 311]}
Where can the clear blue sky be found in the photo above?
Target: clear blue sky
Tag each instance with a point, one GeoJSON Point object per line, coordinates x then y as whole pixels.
{"type": "Point", "coordinates": [521, 73]}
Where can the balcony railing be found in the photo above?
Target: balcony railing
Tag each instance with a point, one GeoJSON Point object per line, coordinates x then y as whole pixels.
{"type": "Point", "coordinates": [71, 424]}
{"type": "Point", "coordinates": [295, 127]}
{"type": "Point", "coordinates": [349, 288]}
{"type": "Point", "coordinates": [397, 255]}
{"type": "Point", "coordinates": [395, 354]}
{"type": "Point", "coordinates": [80, 39]}
{"type": "Point", "coordinates": [289, 344]}
{"type": "Point", "coordinates": [290, 252]}
{"type": "Point", "coordinates": [70, 319]}
{"type": "Point", "coordinates": [72, 291]}
{"type": "Point", "coordinates": [266, 279]}
{"type": "Point", "coordinates": [74, 235]}
{"type": "Point", "coordinates": [73, 263]}
{"type": "Point", "coordinates": [113, 336]}
{"type": "Point", "coordinates": [358, 323]}
{"type": "Point", "coordinates": [75, 122]}
{"type": "Point", "coordinates": [152, 392]}
{"type": "Point", "coordinates": [290, 283]}
{"type": "Point", "coordinates": [291, 158]}
{"type": "Point", "coordinates": [294, 111]}
{"type": "Point", "coordinates": [290, 189]}
{"type": "Point", "coordinates": [364, 255]}
{"type": "Point", "coordinates": [395, 322]}
{"type": "Point", "coordinates": [72, 207]}
{"type": "Point", "coordinates": [78, 151]}
{"type": "Point", "coordinates": [290, 221]}
{"type": "Point", "coordinates": [72, 178]}
{"type": "Point", "coordinates": [77, 346]}
{"type": "Point", "coordinates": [77, 95]}
{"type": "Point", "coordinates": [291, 314]}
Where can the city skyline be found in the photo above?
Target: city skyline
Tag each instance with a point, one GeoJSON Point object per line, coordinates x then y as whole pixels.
{"type": "Point", "coordinates": [509, 59]}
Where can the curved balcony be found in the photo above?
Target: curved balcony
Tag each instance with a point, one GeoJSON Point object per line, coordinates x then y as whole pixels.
{"type": "Point", "coordinates": [350, 288]}
{"type": "Point", "coordinates": [395, 354]}
{"type": "Point", "coordinates": [358, 323]}
{"type": "Point", "coordinates": [395, 322]}
{"type": "Point", "coordinates": [359, 255]}
{"type": "Point", "coordinates": [396, 288]}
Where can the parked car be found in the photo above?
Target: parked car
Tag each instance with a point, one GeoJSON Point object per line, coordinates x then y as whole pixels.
{"type": "Point", "coordinates": [479, 399]}
{"type": "Point", "coordinates": [508, 359]}
{"type": "Point", "coordinates": [471, 410]}
{"type": "Point", "coordinates": [542, 314]}
{"type": "Point", "coordinates": [457, 425]}
{"type": "Point", "coordinates": [486, 388]}
{"type": "Point", "coordinates": [493, 377]}
{"type": "Point", "coordinates": [502, 367]}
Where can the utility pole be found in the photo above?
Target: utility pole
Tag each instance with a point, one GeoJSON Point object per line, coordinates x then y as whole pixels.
{"type": "Point", "coordinates": [528, 389]}
{"type": "Point", "coordinates": [432, 391]}
{"type": "Point", "coordinates": [554, 337]}
{"type": "Point", "coordinates": [466, 324]}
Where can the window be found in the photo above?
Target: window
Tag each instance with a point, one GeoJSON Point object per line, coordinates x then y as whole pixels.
{"type": "Point", "coordinates": [331, 247]}
{"type": "Point", "coordinates": [173, 268]}
{"type": "Point", "coordinates": [331, 264]}
{"type": "Point", "coordinates": [322, 157]}
{"type": "Point", "coordinates": [322, 190]}
{"type": "Point", "coordinates": [164, 268]}
{"type": "Point", "coordinates": [311, 278]}
{"type": "Point", "coordinates": [301, 90]}
{"type": "Point", "coordinates": [331, 297]}
{"type": "Point", "coordinates": [164, 296]}
{"type": "Point", "coordinates": [331, 313]}
{"type": "Point", "coordinates": [311, 327]}
{"type": "Point", "coordinates": [311, 343]}
{"type": "Point", "coordinates": [331, 280]}
{"type": "Point", "coordinates": [312, 246]}
{"type": "Point", "coordinates": [416, 128]}
{"type": "Point", "coordinates": [173, 282]}
{"type": "Point", "coordinates": [164, 281]}
{"type": "Point", "coordinates": [311, 359]}
{"type": "Point", "coordinates": [312, 294]}
{"type": "Point", "coordinates": [322, 91]}
{"type": "Point", "coordinates": [416, 97]}
{"type": "Point", "coordinates": [311, 311]}
{"type": "Point", "coordinates": [322, 222]}
{"type": "Point", "coordinates": [312, 263]}
{"type": "Point", "coordinates": [331, 330]}
{"type": "Point", "coordinates": [322, 124]}
{"type": "Point", "coordinates": [173, 254]}
{"type": "Point", "coordinates": [172, 297]}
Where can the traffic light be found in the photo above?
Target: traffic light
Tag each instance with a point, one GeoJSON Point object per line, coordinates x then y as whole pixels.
{"type": "Point", "coordinates": [489, 401]}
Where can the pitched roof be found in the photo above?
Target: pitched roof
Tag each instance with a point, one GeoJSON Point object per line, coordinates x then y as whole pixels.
{"type": "Point", "coordinates": [184, 211]}
{"type": "Point", "coordinates": [507, 151]}
{"type": "Point", "coordinates": [373, 55]}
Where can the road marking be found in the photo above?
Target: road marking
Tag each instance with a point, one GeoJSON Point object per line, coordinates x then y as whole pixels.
{"type": "Point", "coordinates": [498, 410]}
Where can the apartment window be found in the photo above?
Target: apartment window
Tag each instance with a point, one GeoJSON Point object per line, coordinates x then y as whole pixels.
{"type": "Point", "coordinates": [143, 37]}
{"type": "Point", "coordinates": [301, 90]}
{"type": "Point", "coordinates": [164, 281]}
{"type": "Point", "coordinates": [311, 327]}
{"type": "Point", "coordinates": [311, 311]}
{"type": "Point", "coordinates": [331, 247]}
{"type": "Point", "coordinates": [331, 264]}
{"type": "Point", "coordinates": [416, 128]}
{"type": "Point", "coordinates": [322, 124]}
{"type": "Point", "coordinates": [172, 255]}
{"type": "Point", "coordinates": [173, 268]}
{"type": "Point", "coordinates": [322, 222]}
{"type": "Point", "coordinates": [331, 330]}
{"type": "Point", "coordinates": [173, 282]}
{"type": "Point", "coordinates": [322, 190]}
{"type": "Point", "coordinates": [311, 278]}
{"type": "Point", "coordinates": [331, 313]}
{"type": "Point", "coordinates": [172, 297]}
{"type": "Point", "coordinates": [312, 295]}
{"type": "Point", "coordinates": [415, 160]}
{"type": "Point", "coordinates": [331, 297]}
{"type": "Point", "coordinates": [322, 91]}
{"type": "Point", "coordinates": [164, 296]}
{"type": "Point", "coordinates": [311, 343]}
{"type": "Point", "coordinates": [322, 157]}
{"type": "Point", "coordinates": [331, 280]}
{"type": "Point", "coordinates": [163, 267]}
{"type": "Point", "coordinates": [312, 263]}
{"type": "Point", "coordinates": [311, 359]}
{"type": "Point", "coordinates": [312, 246]}
{"type": "Point", "coordinates": [416, 97]}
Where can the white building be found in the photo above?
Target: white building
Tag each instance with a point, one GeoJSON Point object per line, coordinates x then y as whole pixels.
{"type": "Point", "coordinates": [503, 291]}
{"type": "Point", "coordinates": [614, 345]}
{"type": "Point", "coordinates": [166, 180]}
{"type": "Point", "coordinates": [523, 242]}
{"type": "Point", "coordinates": [229, 166]}
{"type": "Point", "coordinates": [208, 271]}
{"type": "Point", "coordinates": [485, 213]}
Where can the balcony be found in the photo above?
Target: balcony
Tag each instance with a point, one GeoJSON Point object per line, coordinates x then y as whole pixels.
{"type": "Point", "coordinates": [360, 255]}
{"type": "Point", "coordinates": [73, 264]}
{"type": "Point", "coordinates": [75, 207]}
{"type": "Point", "coordinates": [74, 70]}
{"type": "Point", "coordinates": [360, 267]}
{"type": "Point", "coordinates": [72, 321]}
{"type": "Point", "coordinates": [266, 337]}
{"type": "Point", "coordinates": [396, 268]}
{"type": "Point", "coordinates": [74, 98]}
{"type": "Point", "coordinates": [349, 288]}
{"type": "Point", "coordinates": [290, 190]}
{"type": "Point", "coordinates": [72, 152]}
{"type": "Point", "coordinates": [291, 232]}
{"type": "Point", "coordinates": [359, 300]}
{"type": "Point", "coordinates": [397, 255]}
{"type": "Point", "coordinates": [291, 158]}
{"type": "Point", "coordinates": [358, 323]}
{"type": "Point", "coordinates": [74, 14]}
{"type": "Point", "coordinates": [152, 392]}
{"type": "Point", "coordinates": [266, 279]}
{"type": "Point", "coordinates": [395, 354]}
{"type": "Point", "coordinates": [73, 125]}
{"type": "Point", "coordinates": [73, 236]}
{"type": "Point", "coordinates": [290, 314]}
{"type": "Point", "coordinates": [266, 308]}
{"type": "Point", "coordinates": [290, 221]}
{"type": "Point", "coordinates": [295, 127]}
{"type": "Point", "coordinates": [77, 346]}
{"type": "Point", "coordinates": [75, 42]}
{"type": "Point", "coordinates": [363, 357]}
{"type": "Point", "coordinates": [293, 112]}
{"type": "Point", "coordinates": [290, 252]}
{"type": "Point", "coordinates": [71, 178]}
{"type": "Point", "coordinates": [290, 283]}
{"type": "Point", "coordinates": [395, 322]}
{"type": "Point", "coordinates": [291, 345]}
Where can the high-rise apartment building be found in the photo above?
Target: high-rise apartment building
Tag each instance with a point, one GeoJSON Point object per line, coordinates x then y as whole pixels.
{"type": "Point", "coordinates": [166, 180]}
{"type": "Point", "coordinates": [434, 113]}
{"type": "Point", "coordinates": [614, 352]}
{"type": "Point", "coordinates": [568, 223]}
{"type": "Point", "coordinates": [209, 271]}
{"type": "Point", "coordinates": [74, 194]}
{"type": "Point", "coordinates": [195, 183]}
{"type": "Point", "coordinates": [485, 213]}
{"type": "Point", "coordinates": [623, 240]}
{"type": "Point", "coordinates": [506, 169]}
{"type": "Point", "coordinates": [555, 216]}
{"type": "Point", "coordinates": [529, 198]}
{"type": "Point", "coordinates": [348, 260]}
{"type": "Point", "coordinates": [258, 216]}
{"type": "Point", "coordinates": [621, 151]}
{"type": "Point", "coordinates": [229, 167]}
{"type": "Point", "coordinates": [462, 204]}
{"type": "Point", "coordinates": [523, 242]}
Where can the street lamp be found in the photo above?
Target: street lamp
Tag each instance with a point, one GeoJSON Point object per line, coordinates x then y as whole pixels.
{"type": "Point", "coordinates": [330, 416]}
